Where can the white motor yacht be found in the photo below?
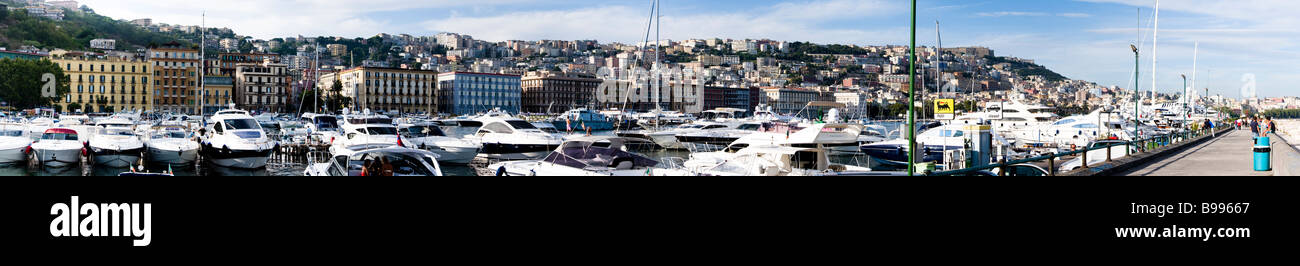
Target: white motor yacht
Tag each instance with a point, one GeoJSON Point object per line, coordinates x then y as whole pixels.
{"type": "Point", "coordinates": [323, 128]}
{"type": "Point", "coordinates": [171, 145]}
{"type": "Point", "coordinates": [365, 131]}
{"type": "Point", "coordinates": [58, 147]}
{"type": "Point", "coordinates": [234, 139]}
{"type": "Point", "coordinates": [427, 136]}
{"type": "Point", "coordinates": [116, 144]}
{"type": "Point", "coordinates": [586, 156]}
{"type": "Point", "coordinates": [504, 137]}
{"type": "Point", "coordinates": [394, 161]}
{"type": "Point", "coordinates": [14, 143]}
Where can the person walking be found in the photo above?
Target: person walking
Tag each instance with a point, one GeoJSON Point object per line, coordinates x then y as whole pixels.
{"type": "Point", "coordinates": [1254, 128]}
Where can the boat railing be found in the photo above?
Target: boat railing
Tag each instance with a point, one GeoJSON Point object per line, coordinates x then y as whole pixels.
{"type": "Point", "coordinates": [1135, 147]}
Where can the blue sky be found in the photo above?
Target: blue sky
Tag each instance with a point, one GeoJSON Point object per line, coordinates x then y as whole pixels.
{"type": "Point", "coordinates": [1082, 39]}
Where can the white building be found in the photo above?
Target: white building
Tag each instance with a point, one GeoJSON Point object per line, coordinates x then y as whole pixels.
{"type": "Point", "coordinates": [103, 44]}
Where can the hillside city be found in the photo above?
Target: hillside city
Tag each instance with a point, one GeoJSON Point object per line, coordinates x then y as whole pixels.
{"type": "Point", "coordinates": [456, 74]}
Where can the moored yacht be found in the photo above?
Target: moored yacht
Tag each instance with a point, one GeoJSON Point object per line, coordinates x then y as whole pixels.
{"type": "Point", "coordinates": [14, 144]}
{"type": "Point", "coordinates": [507, 138]}
{"type": "Point", "coordinates": [586, 156]}
{"type": "Point", "coordinates": [427, 136]}
{"type": "Point", "coordinates": [932, 141]}
{"type": "Point", "coordinates": [171, 144]}
{"type": "Point", "coordinates": [234, 139]}
{"type": "Point", "coordinates": [58, 147]}
{"type": "Point", "coordinates": [392, 161]}
{"type": "Point", "coordinates": [116, 144]}
{"type": "Point", "coordinates": [365, 131]}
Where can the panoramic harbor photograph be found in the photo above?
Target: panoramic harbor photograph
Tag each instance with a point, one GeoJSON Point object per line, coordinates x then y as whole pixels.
{"type": "Point", "coordinates": [648, 88]}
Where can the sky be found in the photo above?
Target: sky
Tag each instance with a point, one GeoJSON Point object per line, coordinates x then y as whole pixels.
{"type": "Point", "coordinates": [1081, 39]}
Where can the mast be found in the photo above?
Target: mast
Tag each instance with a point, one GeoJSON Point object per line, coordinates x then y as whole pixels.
{"type": "Point", "coordinates": [1196, 49]}
{"type": "Point", "coordinates": [654, 68]}
{"type": "Point", "coordinates": [203, 65]}
{"type": "Point", "coordinates": [1154, 41]}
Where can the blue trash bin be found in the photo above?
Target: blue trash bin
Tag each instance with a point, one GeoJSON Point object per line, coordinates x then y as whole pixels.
{"type": "Point", "coordinates": [1263, 160]}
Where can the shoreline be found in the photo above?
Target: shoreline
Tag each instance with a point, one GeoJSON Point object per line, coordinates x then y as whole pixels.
{"type": "Point", "coordinates": [1290, 130]}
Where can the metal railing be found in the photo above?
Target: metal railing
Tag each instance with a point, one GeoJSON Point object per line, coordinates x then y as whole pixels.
{"type": "Point", "coordinates": [1135, 147]}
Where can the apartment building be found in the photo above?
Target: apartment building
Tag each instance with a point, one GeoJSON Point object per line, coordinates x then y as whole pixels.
{"type": "Point", "coordinates": [175, 71]}
{"type": "Point", "coordinates": [106, 84]}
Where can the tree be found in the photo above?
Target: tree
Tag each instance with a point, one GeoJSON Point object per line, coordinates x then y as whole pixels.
{"type": "Point", "coordinates": [72, 107]}
{"type": "Point", "coordinates": [20, 82]}
{"type": "Point", "coordinates": [4, 13]}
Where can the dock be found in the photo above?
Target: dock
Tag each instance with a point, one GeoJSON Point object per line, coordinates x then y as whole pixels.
{"type": "Point", "coordinates": [1228, 155]}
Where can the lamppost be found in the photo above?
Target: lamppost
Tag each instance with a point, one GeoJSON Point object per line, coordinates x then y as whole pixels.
{"type": "Point", "coordinates": [1136, 98]}
{"type": "Point", "coordinates": [1185, 118]}
{"type": "Point", "coordinates": [911, 100]}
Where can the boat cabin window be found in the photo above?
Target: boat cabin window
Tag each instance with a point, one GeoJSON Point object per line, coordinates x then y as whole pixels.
{"type": "Point", "coordinates": [379, 130]}
{"type": "Point", "coordinates": [403, 164]}
{"type": "Point", "coordinates": [238, 124]}
{"type": "Point", "coordinates": [471, 124]}
{"type": "Point", "coordinates": [423, 131]}
{"type": "Point", "coordinates": [1007, 111]}
{"type": "Point", "coordinates": [549, 130]}
{"type": "Point", "coordinates": [952, 133]}
{"type": "Point", "coordinates": [749, 127]}
{"type": "Point", "coordinates": [714, 126]}
{"type": "Point", "coordinates": [170, 135]}
{"type": "Point", "coordinates": [520, 124]}
{"type": "Point", "coordinates": [370, 120]}
{"type": "Point", "coordinates": [497, 128]}
{"type": "Point", "coordinates": [11, 133]}
{"type": "Point", "coordinates": [1086, 126]}
{"type": "Point", "coordinates": [1063, 122]}
{"type": "Point", "coordinates": [1044, 119]}
{"type": "Point", "coordinates": [218, 128]}
{"type": "Point", "coordinates": [59, 136]}
{"type": "Point", "coordinates": [804, 160]}
{"type": "Point", "coordinates": [118, 132]}
{"type": "Point", "coordinates": [1014, 119]}
{"type": "Point", "coordinates": [339, 167]}
{"type": "Point", "coordinates": [325, 122]}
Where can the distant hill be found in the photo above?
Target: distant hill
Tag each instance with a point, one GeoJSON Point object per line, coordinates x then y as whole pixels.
{"type": "Point", "coordinates": [1027, 69]}
{"type": "Point", "coordinates": [74, 32]}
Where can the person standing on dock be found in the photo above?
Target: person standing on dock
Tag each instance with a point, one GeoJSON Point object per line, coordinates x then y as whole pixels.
{"type": "Point", "coordinates": [1209, 126]}
{"type": "Point", "coordinates": [1272, 127]}
{"type": "Point", "coordinates": [1254, 128]}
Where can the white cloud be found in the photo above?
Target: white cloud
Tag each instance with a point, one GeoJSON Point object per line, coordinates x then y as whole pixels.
{"type": "Point", "coordinates": [269, 19]}
{"type": "Point", "coordinates": [1011, 13]}
{"type": "Point", "coordinates": [804, 21]}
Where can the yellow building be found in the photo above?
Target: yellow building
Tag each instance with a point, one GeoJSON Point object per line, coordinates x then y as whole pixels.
{"type": "Point", "coordinates": [106, 84]}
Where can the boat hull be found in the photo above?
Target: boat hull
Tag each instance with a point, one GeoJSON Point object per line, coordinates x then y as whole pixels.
{"type": "Point", "coordinates": [242, 159]}
{"type": "Point", "coordinates": [58, 157]}
{"type": "Point", "coordinates": [173, 156]}
{"type": "Point", "coordinates": [117, 158]}
{"type": "Point", "coordinates": [508, 151]}
{"type": "Point", "coordinates": [895, 155]}
{"type": "Point", "coordinates": [14, 155]}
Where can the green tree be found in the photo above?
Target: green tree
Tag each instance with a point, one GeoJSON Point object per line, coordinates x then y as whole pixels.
{"type": "Point", "coordinates": [72, 107]}
{"type": "Point", "coordinates": [20, 82]}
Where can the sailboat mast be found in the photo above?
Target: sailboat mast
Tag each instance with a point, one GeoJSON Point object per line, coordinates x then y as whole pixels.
{"type": "Point", "coordinates": [203, 65]}
{"type": "Point", "coordinates": [655, 67]}
{"type": "Point", "coordinates": [1196, 49]}
{"type": "Point", "coordinates": [1155, 40]}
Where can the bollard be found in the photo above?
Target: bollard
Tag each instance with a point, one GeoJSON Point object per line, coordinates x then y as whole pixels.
{"type": "Point", "coordinates": [1051, 165]}
{"type": "Point", "coordinates": [1085, 158]}
{"type": "Point", "coordinates": [1108, 156]}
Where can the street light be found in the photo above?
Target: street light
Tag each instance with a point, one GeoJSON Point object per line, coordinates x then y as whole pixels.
{"type": "Point", "coordinates": [911, 100]}
{"type": "Point", "coordinates": [1136, 98]}
{"type": "Point", "coordinates": [1185, 118]}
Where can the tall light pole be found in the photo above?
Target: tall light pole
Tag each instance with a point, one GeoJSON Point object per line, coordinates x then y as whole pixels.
{"type": "Point", "coordinates": [911, 100]}
{"type": "Point", "coordinates": [1136, 96]}
{"type": "Point", "coordinates": [1185, 118]}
